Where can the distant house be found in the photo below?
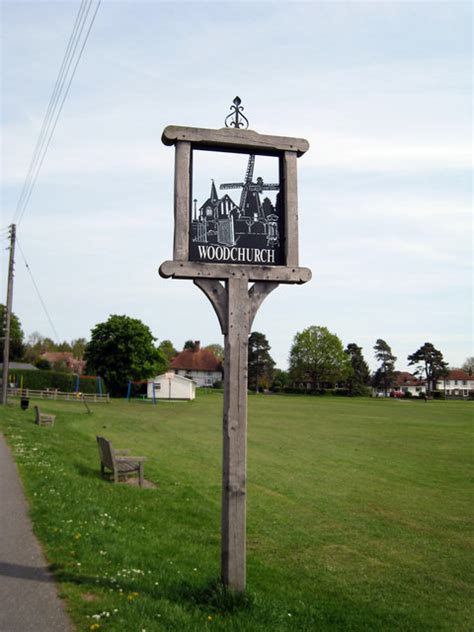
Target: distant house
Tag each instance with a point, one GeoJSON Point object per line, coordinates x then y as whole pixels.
{"type": "Point", "coordinates": [457, 383]}
{"type": "Point", "coordinates": [65, 358]}
{"type": "Point", "coordinates": [407, 383]}
{"type": "Point", "coordinates": [199, 365]}
{"type": "Point", "coordinates": [171, 386]}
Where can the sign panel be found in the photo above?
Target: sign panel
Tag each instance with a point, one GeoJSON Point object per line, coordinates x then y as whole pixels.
{"type": "Point", "coordinates": [236, 214]}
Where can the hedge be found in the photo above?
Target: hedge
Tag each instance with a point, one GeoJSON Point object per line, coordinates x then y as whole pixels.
{"type": "Point", "coordinates": [65, 382]}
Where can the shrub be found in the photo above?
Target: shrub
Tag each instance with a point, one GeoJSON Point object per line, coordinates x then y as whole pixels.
{"type": "Point", "coordinates": [43, 364]}
{"type": "Point", "coordinates": [41, 380]}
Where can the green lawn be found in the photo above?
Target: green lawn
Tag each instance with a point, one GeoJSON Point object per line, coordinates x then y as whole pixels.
{"type": "Point", "coordinates": [359, 514]}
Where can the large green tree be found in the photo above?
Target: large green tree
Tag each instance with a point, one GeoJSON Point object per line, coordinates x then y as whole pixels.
{"type": "Point", "coordinates": [17, 348]}
{"type": "Point", "coordinates": [385, 375]}
{"type": "Point", "coordinates": [317, 358]}
{"type": "Point", "coordinates": [430, 364]}
{"type": "Point", "coordinates": [260, 362]}
{"type": "Point", "coordinates": [359, 374]}
{"type": "Point", "coordinates": [122, 349]}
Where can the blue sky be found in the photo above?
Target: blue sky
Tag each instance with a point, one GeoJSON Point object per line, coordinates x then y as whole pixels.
{"type": "Point", "coordinates": [381, 90]}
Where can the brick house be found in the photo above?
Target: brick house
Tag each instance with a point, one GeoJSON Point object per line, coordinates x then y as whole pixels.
{"type": "Point", "coordinates": [66, 359]}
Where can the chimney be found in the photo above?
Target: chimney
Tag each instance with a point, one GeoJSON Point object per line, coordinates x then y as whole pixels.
{"type": "Point", "coordinates": [197, 345]}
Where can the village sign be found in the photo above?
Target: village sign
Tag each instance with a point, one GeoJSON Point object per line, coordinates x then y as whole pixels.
{"type": "Point", "coordinates": [223, 245]}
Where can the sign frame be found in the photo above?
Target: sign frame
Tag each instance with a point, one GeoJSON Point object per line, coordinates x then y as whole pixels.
{"type": "Point", "coordinates": [286, 149]}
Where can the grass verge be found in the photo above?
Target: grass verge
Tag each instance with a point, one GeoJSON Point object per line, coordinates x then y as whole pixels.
{"type": "Point", "coordinates": [358, 514]}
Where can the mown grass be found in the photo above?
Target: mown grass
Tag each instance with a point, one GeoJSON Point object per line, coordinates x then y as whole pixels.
{"type": "Point", "coordinates": [359, 514]}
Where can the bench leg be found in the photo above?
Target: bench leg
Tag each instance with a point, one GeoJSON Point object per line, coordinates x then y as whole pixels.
{"type": "Point", "coordinates": [140, 474]}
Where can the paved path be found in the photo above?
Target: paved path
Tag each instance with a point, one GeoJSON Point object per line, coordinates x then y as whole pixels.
{"type": "Point", "coordinates": [29, 600]}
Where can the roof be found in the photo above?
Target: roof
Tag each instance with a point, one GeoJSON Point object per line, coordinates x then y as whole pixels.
{"type": "Point", "coordinates": [20, 366]}
{"type": "Point", "coordinates": [198, 360]}
{"type": "Point", "coordinates": [171, 376]}
{"type": "Point", "coordinates": [57, 356]}
{"type": "Point", "coordinates": [403, 378]}
{"type": "Point", "coordinates": [459, 374]}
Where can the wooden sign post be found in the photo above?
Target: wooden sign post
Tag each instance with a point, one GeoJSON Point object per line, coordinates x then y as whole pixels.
{"type": "Point", "coordinates": [223, 248]}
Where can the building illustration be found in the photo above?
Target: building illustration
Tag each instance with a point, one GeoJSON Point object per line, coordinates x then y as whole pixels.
{"type": "Point", "coordinates": [251, 224]}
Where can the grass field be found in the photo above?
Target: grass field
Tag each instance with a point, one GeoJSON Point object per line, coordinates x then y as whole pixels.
{"type": "Point", "coordinates": [359, 514]}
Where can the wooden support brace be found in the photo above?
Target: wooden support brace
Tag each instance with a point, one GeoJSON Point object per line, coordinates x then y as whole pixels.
{"type": "Point", "coordinates": [235, 306]}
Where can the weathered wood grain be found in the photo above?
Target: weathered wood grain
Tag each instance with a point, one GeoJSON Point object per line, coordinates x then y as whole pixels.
{"type": "Point", "coordinates": [291, 208]}
{"type": "Point", "coordinates": [223, 271]}
{"type": "Point", "coordinates": [257, 294]}
{"type": "Point", "coordinates": [182, 200]}
{"type": "Point", "coordinates": [234, 463]}
{"type": "Point", "coordinates": [236, 139]}
{"type": "Point", "coordinates": [217, 294]}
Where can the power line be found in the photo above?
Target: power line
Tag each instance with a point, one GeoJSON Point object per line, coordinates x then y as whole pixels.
{"type": "Point", "coordinates": [38, 292]}
{"type": "Point", "coordinates": [51, 106]}
{"type": "Point", "coordinates": [45, 138]}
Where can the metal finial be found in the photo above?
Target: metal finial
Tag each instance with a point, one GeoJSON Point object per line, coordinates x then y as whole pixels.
{"type": "Point", "coordinates": [236, 118]}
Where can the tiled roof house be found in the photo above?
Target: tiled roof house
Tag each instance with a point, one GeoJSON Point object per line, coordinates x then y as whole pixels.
{"type": "Point", "coordinates": [457, 383]}
{"type": "Point", "coordinates": [198, 364]}
{"type": "Point", "coordinates": [66, 358]}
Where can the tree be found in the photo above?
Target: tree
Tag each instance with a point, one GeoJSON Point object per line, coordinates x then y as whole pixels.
{"type": "Point", "coordinates": [37, 345]}
{"type": "Point", "coordinates": [280, 380]}
{"type": "Point", "coordinates": [217, 350]}
{"type": "Point", "coordinates": [359, 375]}
{"type": "Point", "coordinates": [430, 364]}
{"type": "Point", "coordinates": [468, 365]}
{"type": "Point", "coordinates": [260, 362]}
{"type": "Point", "coordinates": [385, 375]}
{"type": "Point", "coordinates": [78, 347]}
{"type": "Point", "coordinates": [317, 358]}
{"type": "Point", "coordinates": [43, 364]}
{"type": "Point", "coordinates": [167, 349]}
{"type": "Point", "coordinates": [17, 348]}
{"type": "Point", "coordinates": [190, 344]}
{"type": "Point", "coordinates": [122, 349]}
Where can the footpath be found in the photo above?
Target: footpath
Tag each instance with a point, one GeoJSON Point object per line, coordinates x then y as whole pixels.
{"type": "Point", "coordinates": [29, 600]}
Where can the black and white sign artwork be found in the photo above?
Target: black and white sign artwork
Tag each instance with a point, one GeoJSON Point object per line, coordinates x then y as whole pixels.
{"type": "Point", "coordinates": [236, 214]}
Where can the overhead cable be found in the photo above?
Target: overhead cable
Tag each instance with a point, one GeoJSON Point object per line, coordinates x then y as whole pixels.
{"type": "Point", "coordinates": [58, 98]}
{"type": "Point", "coordinates": [56, 337]}
{"type": "Point", "coordinates": [70, 49]}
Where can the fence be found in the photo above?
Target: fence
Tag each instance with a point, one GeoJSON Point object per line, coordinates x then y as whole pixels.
{"type": "Point", "coordinates": [51, 393]}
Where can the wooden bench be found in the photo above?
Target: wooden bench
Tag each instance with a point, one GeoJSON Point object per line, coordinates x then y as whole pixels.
{"type": "Point", "coordinates": [42, 419]}
{"type": "Point", "coordinates": [119, 461]}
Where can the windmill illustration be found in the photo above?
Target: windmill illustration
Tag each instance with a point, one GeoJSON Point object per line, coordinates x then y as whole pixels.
{"type": "Point", "coordinates": [250, 204]}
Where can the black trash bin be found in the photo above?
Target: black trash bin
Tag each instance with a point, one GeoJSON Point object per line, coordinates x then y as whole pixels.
{"type": "Point", "coordinates": [24, 403]}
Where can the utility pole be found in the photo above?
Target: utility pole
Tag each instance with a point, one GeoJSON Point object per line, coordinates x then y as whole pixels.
{"type": "Point", "coordinates": [7, 315]}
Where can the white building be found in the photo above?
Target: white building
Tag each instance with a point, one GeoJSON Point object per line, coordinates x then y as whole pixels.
{"type": "Point", "coordinates": [457, 383]}
{"type": "Point", "coordinates": [171, 386]}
